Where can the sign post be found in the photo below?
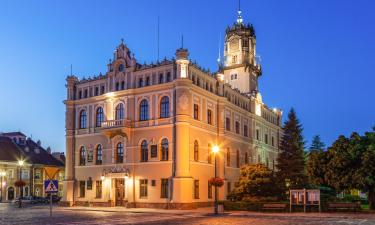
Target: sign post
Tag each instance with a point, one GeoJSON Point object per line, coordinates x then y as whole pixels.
{"type": "Point", "coordinates": [51, 186]}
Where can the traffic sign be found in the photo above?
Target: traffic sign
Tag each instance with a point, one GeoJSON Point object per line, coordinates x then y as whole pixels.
{"type": "Point", "coordinates": [51, 186]}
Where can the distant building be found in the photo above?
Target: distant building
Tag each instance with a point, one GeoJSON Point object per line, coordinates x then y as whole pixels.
{"type": "Point", "coordinates": [142, 134]}
{"type": "Point", "coordinates": [15, 147]}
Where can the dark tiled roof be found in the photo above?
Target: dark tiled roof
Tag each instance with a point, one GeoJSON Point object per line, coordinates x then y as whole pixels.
{"type": "Point", "coordinates": [9, 151]}
{"type": "Point", "coordinates": [17, 133]}
{"type": "Point", "coordinates": [40, 157]}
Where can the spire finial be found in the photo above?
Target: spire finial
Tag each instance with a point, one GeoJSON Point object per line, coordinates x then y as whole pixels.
{"type": "Point", "coordinates": [239, 17]}
{"type": "Point", "coordinates": [122, 41]}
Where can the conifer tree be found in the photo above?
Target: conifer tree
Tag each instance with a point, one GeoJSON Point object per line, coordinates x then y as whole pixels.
{"type": "Point", "coordinates": [317, 144]}
{"type": "Point", "coordinates": [291, 163]}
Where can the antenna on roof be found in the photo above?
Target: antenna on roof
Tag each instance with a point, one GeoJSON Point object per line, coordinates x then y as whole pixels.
{"type": "Point", "coordinates": [158, 37]}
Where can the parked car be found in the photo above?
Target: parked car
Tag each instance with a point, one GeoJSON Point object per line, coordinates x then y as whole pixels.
{"type": "Point", "coordinates": [25, 199]}
{"type": "Point", "coordinates": [37, 200]}
{"type": "Point", "coordinates": [55, 198]}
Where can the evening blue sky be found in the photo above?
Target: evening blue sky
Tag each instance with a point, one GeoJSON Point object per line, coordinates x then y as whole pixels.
{"type": "Point", "coordinates": [317, 56]}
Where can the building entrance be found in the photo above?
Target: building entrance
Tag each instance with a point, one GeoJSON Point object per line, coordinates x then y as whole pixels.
{"type": "Point", "coordinates": [119, 191]}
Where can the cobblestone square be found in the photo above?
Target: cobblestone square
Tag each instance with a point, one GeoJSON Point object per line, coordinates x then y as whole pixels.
{"type": "Point", "coordinates": [39, 215]}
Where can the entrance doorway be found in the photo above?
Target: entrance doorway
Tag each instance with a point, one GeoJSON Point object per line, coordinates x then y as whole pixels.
{"type": "Point", "coordinates": [119, 191]}
{"type": "Point", "coordinates": [10, 193]}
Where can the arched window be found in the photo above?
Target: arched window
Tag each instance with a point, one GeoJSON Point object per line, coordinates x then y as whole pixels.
{"type": "Point", "coordinates": [82, 156]}
{"type": "Point", "coordinates": [228, 156]}
{"type": "Point", "coordinates": [144, 151]}
{"type": "Point", "coordinates": [82, 119]}
{"type": "Point", "coordinates": [209, 152]}
{"type": "Point", "coordinates": [99, 155]}
{"type": "Point", "coordinates": [164, 149]}
{"type": "Point", "coordinates": [164, 107]}
{"type": "Point", "coordinates": [99, 117]}
{"type": "Point", "coordinates": [196, 151]}
{"type": "Point", "coordinates": [119, 114]}
{"type": "Point", "coordinates": [143, 108]}
{"type": "Point", "coordinates": [120, 153]}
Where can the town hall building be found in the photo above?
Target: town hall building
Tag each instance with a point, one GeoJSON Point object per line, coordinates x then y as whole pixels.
{"type": "Point", "coordinates": [142, 134]}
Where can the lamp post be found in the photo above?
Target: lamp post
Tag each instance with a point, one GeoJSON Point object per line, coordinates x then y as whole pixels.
{"type": "Point", "coordinates": [215, 150]}
{"type": "Point", "coordinates": [2, 174]}
{"type": "Point", "coordinates": [20, 163]}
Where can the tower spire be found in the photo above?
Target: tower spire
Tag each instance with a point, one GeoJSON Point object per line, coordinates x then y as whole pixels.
{"type": "Point", "coordinates": [239, 17]}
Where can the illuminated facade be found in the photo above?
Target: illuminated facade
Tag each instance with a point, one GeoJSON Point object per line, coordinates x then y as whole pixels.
{"type": "Point", "coordinates": [142, 135]}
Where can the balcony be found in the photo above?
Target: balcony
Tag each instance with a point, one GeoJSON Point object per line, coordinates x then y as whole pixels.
{"type": "Point", "coordinates": [116, 123]}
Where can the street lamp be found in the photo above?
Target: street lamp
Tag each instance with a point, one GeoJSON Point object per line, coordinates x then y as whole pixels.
{"type": "Point", "coordinates": [20, 163]}
{"type": "Point", "coordinates": [215, 149]}
{"type": "Point", "coordinates": [2, 174]}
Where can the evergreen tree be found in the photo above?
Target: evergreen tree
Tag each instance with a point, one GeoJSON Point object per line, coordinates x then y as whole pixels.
{"type": "Point", "coordinates": [290, 162]}
{"type": "Point", "coordinates": [317, 144]}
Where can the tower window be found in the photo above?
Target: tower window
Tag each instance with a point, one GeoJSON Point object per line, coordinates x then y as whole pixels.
{"type": "Point", "coordinates": [168, 76]}
{"type": "Point", "coordinates": [195, 111]}
{"type": "Point", "coordinates": [121, 67]}
{"type": "Point", "coordinates": [147, 81]}
{"type": "Point", "coordinates": [209, 116]}
{"type": "Point", "coordinates": [234, 59]}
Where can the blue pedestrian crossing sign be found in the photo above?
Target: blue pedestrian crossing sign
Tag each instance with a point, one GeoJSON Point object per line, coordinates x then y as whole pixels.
{"type": "Point", "coordinates": [51, 186]}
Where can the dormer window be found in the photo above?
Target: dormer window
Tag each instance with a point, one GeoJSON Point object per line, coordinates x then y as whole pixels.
{"type": "Point", "coordinates": [121, 67]}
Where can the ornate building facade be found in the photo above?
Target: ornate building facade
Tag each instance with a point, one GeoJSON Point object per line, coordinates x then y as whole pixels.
{"type": "Point", "coordinates": [142, 135]}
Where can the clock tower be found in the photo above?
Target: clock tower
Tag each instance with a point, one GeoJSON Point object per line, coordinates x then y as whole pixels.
{"type": "Point", "coordinates": [240, 67]}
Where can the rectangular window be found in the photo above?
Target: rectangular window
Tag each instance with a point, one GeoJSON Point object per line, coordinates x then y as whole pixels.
{"type": "Point", "coordinates": [164, 188]}
{"type": "Point", "coordinates": [102, 90]}
{"type": "Point", "coordinates": [117, 86]}
{"type": "Point", "coordinates": [266, 138]}
{"type": "Point", "coordinates": [168, 76]}
{"type": "Point", "coordinates": [245, 130]}
{"type": "Point", "coordinates": [229, 187]}
{"type": "Point", "coordinates": [96, 91]}
{"type": "Point", "coordinates": [86, 93]}
{"type": "Point", "coordinates": [10, 174]}
{"type": "Point", "coordinates": [140, 82]}
{"type": "Point", "coordinates": [209, 188]}
{"type": "Point", "coordinates": [161, 79]}
{"type": "Point", "coordinates": [273, 141]}
{"type": "Point", "coordinates": [227, 124]}
{"type": "Point", "coordinates": [196, 189]}
{"type": "Point", "coordinates": [196, 111]}
{"type": "Point", "coordinates": [122, 85]}
{"type": "Point", "coordinates": [237, 127]}
{"type": "Point", "coordinates": [209, 116]}
{"type": "Point", "coordinates": [147, 81]}
{"type": "Point", "coordinates": [143, 188]}
{"type": "Point", "coordinates": [37, 175]}
{"type": "Point", "coordinates": [257, 134]}
{"type": "Point", "coordinates": [98, 189]}
{"type": "Point", "coordinates": [79, 94]}
{"type": "Point", "coordinates": [24, 174]}
{"type": "Point", "coordinates": [82, 188]}
{"type": "Point", "coordinates": [154, 151]}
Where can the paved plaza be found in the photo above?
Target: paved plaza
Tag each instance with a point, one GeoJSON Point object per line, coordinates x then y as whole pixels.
{"type": "Point", "coordinates": [87, 216]}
